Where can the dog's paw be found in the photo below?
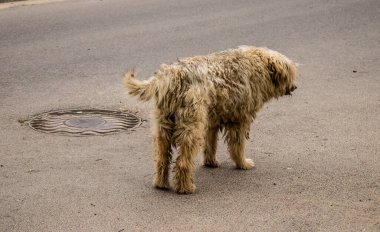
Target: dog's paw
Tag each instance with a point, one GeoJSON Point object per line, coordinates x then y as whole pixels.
{"type": "Point", "coordinates": [211, 164]}
{"type": "Point", "coordinates": [186, 190]}
{"type": "Point", "coordinates": [163, 187]}
{"type": "Point", "coordinates": [161, 184]}
{"type": "Point", "coordinates": [248, 164]}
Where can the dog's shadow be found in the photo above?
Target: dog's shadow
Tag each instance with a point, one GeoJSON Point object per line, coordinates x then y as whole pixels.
{"type": "Point", "coordinates": [225, 178]}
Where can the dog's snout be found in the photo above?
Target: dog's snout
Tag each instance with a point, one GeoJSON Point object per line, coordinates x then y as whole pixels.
{"type": "Point", "coordinates": [290, 90]}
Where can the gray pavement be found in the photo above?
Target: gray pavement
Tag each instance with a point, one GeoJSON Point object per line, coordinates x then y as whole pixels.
{"type": "Point", "coordinates": [316, 153]}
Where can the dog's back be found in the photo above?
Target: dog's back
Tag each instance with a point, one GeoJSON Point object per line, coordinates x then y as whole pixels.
{"type": "Point", "coordinates": [244, 77]}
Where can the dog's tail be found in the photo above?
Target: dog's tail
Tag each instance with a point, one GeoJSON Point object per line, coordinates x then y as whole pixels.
{"type": "Point", "coordinates": [144, 90]}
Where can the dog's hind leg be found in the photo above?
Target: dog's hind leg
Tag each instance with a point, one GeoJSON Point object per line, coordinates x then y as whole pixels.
{"type": "Point", "coordinates": [162, 152]}
{"type": "Point", "coordinates": [235, 137]}
{"type": "Point", "coordinates": [184, 168]}
{"type": "Point", "coordinates": [189, 136]}
{"type": "Point", "coordinates": [210, 148]}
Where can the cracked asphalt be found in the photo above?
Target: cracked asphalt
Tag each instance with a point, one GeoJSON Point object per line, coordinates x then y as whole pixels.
{"type": "Point", "coordinates": [317, 153]}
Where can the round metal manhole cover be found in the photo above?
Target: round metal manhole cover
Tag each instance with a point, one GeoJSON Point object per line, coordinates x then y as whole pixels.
{"type": "Point", "coordinates": [84, 122]}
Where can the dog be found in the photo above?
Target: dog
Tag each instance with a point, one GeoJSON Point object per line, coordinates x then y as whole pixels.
{"type": "Point", "coordinates": [197, 97]}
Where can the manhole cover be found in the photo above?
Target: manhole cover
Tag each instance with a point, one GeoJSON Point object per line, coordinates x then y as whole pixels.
{"type": "Point", "coordinates": [84, 122]}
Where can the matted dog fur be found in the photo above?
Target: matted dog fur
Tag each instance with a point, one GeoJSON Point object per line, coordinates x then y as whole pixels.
{"type": "Point", "coordinates": [197, 97]}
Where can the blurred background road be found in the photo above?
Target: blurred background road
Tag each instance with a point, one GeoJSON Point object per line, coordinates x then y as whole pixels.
{"type": "Point", "coordinates": [316, 153]}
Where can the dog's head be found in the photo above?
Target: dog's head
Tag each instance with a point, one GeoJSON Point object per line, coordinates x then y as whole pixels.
{"type": "Point", "coordinates": [282, 72]}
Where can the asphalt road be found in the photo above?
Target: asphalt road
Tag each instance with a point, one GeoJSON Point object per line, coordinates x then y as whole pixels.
{"type": "Point", "coordinates": [317, 153]}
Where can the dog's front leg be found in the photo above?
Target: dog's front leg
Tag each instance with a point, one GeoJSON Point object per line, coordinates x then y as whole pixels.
{"type": "Point", "coordinates": [236, 136]}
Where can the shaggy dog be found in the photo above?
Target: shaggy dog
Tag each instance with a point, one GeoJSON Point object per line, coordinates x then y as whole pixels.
{"type": "Point", "coordinates": [197, 97]}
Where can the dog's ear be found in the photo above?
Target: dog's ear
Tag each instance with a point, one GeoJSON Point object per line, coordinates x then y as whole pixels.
{"type": "Point", "coordinates": [275, 72]}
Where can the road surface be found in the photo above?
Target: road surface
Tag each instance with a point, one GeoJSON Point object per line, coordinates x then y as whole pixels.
{"type": "Point", "coordinates": [317, 153]}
